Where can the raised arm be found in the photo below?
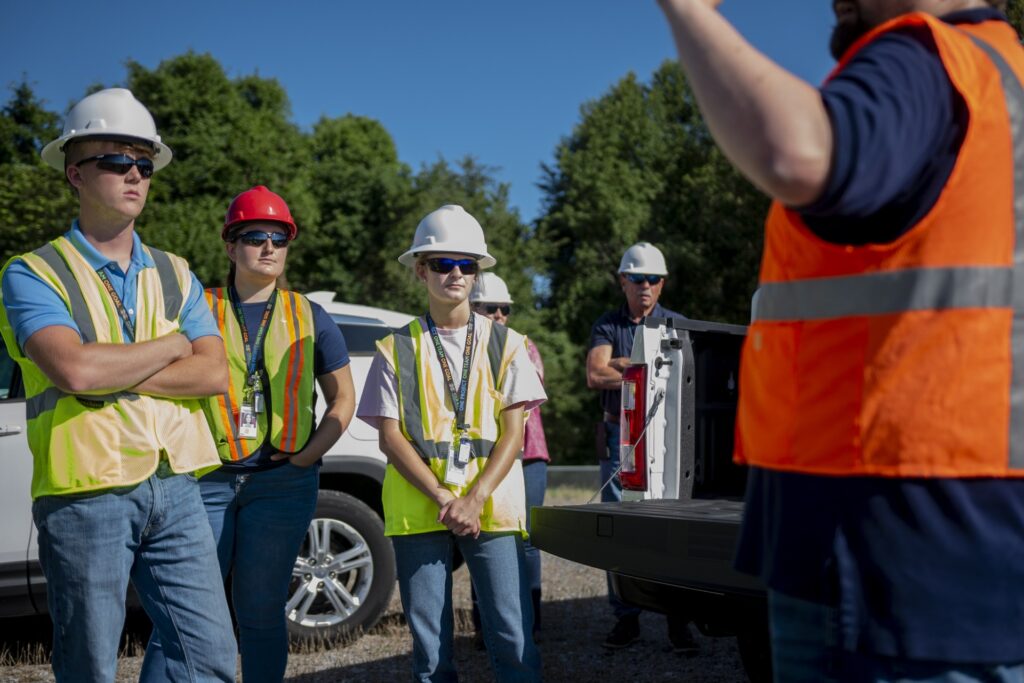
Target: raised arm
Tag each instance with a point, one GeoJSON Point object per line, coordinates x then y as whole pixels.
{"type": "Point", "coordinates": [771, 125]}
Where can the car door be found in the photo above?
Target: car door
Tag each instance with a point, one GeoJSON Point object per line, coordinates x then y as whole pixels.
{"type": "Point", "coordinates": [17, 533]}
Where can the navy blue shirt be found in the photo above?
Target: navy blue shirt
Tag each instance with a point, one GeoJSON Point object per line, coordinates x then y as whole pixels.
{"type": "Point", "coordinates": [922, 568]}
{"type": "Point", "coordinates": [615, 329]}
{"type": "Point", "coordinates": [329, 353]}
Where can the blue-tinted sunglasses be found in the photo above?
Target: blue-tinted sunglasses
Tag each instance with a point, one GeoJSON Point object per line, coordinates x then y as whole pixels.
{"type": "Point", "coordinates": [257, 238]}
{"type": "Point", "coordinates": [121, 164]}
{"type": "Point", "coordinates": [467, 266]}
{"type": "Point", "coordinates": [637, 278]}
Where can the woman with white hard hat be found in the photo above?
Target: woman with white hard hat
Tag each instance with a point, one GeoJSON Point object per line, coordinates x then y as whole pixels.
{"type": "Point", "coordinates": [490, 297]}
{"type": "Point", "coordinates": [449, 394]}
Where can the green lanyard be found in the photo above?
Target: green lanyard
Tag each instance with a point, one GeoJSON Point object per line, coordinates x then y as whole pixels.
{"type": "Point", "coordinates": [252, 348]}
{"type": "Point", "coordinates": [457, 394]}
{"type": "Point", "coordinates": [129, 325]}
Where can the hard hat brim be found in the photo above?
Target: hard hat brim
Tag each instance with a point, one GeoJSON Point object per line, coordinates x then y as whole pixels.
{"type": "Point", "coordinates": [408, 259]}
{"type": "Point", "coordinates": [53, 153]}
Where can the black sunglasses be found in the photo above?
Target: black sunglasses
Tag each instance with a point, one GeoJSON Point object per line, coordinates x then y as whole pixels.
{"type": "Point", "coordinates": [257, 238]}
{"type": "Point", "coordinates": [637, 278]}
{"type": "Point", "coordinates": [494, 308]}
{"type": "Point", "coordinates": [121, 164]}
{"type": "Point", "coordinates": [466, 266]}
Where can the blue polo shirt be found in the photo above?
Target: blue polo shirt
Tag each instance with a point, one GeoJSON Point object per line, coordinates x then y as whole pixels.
{"type": "Point", "coordinates": [32, 304]}
{"type": "Point", "coordinates": [616, 329]}
{"type": "Point", "coordinates": [922, 568]}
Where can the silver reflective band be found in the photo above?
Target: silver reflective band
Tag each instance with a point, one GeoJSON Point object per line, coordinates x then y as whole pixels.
{"type": "Point", "coordinates": [917, 289]}
{"type": "Point", "coordinates": [1014, 97]}
{"type": "Point", "coordinates": [47, 400]}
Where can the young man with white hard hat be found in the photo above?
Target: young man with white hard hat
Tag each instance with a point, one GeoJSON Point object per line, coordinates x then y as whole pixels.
{"type": "Point", "coordinates": [448, 393]}
{"type": "Point", "coordinates": [116, 346]}
{"type": "Point", "coordinates": [642, 274]}
{"type": "Point", "coordinates": [490, 297]}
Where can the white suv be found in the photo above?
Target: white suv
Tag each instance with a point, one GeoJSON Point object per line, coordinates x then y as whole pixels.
{"type": "Point", "coordinates": [345, 572]}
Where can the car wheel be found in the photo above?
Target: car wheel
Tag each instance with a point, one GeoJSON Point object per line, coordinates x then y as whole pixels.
{"type": "Point", "coordinates": [344, 574]}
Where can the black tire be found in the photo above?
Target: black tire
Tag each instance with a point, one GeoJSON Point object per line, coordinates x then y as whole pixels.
{"type": "Point", "coordinates": [340, 588]}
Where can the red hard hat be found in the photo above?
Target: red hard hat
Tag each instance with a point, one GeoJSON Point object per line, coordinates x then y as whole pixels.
{"type": "Point", "coordinates": [258, 204]}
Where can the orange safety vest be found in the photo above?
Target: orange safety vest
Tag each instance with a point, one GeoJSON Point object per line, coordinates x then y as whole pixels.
{"type": "Point", "coordinates": [904, 359]}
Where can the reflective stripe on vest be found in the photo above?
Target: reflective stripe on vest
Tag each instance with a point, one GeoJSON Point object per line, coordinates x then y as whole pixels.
{"type": "Point", "coordinates": [825, 304]}
{"type": "Point", "coordinates": [288, 364]}
{"type": "Point", "coordinates": [426, 419]}
{"type": "Point", "coordinates": [92, 442]}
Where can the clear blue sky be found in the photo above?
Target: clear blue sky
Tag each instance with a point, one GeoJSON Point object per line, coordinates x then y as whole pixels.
{"type": "Point", "coordinates": [501, 81]}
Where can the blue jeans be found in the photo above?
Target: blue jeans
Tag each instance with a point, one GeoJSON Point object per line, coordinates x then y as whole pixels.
{"type": "Point", "coordinates": [497, 569]}
{"type": "Point", "coordinates": [156, 535]}
{"type": "Point", "coordinates": [535, 478]}
{"type": "Point", "coordinates": [805, 639]}
{"type": "Point", "coordinates": [258, 522]}
{"type": "Point", "coordinates": [610, 494]}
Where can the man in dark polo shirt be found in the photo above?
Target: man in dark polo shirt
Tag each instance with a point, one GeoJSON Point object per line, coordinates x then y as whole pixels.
{"type": "Point", "coordinates": [642, 274]}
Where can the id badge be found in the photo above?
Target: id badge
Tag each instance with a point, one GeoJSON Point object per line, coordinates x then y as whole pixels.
{"type": "Point", "coordinates": [246, 422]}
{"type": "Point", "coordinates": [458, 463]}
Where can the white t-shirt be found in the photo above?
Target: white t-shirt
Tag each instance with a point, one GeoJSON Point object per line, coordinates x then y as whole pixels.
{"type": "Point", "coordinates": [380, 393]}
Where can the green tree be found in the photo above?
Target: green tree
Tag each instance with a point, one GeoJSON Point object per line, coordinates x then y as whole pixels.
{"type": "Point", "coordinates": [227, 136]}
{"type": "Point", "coordinates": [35, 203]}
{"type": "Point", "coordinates": [640, 165]}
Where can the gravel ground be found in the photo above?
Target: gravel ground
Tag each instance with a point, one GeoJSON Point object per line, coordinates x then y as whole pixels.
{"type": "Point", "coordinates": [576, 618]}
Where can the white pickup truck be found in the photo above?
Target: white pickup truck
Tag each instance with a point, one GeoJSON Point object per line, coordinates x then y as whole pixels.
{"type": "Point", "coordinates": [671, 541]}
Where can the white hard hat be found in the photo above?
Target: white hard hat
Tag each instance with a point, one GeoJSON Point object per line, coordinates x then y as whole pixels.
{"type": "Point", "coordinates": [490, 289]}
{"type": "Point", "coordinates": [643, 258]}
{"type": "Point", "coordinates": [110, 113]}
{"type": "Point", "coordinates": [449, 229]}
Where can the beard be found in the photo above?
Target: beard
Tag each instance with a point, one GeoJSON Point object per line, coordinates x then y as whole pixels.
{"type": "Point", "coordinates": [844, 35]}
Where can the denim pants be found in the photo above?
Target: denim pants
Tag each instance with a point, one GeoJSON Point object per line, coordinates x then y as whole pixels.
{"type": "Point", "coordinates": [154, 534]}
{"type": "Point", "coordinates": [610, 494]}
{"type": "Point", "coordinates": [258, 522]}
{"type": "Point", "coordinates": [805, 639]}
{"type": "Point", "coordinates": [498, 572]}
{"type": "Point", "coordinates": [535, 479]}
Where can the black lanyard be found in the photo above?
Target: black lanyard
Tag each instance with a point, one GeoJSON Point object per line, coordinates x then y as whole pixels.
{"type": "Point", "coordinates": [457, 394]}
{"type": "Point", "coordinates": [129, 326]}
{"type": "Point", "coordinates": [252, 350]}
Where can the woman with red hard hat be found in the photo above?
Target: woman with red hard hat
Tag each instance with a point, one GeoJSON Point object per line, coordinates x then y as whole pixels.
{"type": "Point", "coordinates": [262, 499]}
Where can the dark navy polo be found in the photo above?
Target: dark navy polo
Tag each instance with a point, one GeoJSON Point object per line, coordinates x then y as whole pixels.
{"type": "Point", "coordinates": [616, 329]}
{"type": "Point", "coordinates": [921, 568]}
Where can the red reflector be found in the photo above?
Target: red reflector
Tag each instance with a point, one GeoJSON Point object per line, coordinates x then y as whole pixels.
{"type": "Point", "coordinates": [632, 450]}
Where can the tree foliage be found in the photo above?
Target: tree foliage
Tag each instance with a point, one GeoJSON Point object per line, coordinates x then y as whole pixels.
{"type": "Point", "coordinates": [639, 165]}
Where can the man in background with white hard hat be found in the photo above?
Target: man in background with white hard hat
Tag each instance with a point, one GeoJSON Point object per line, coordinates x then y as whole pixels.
{"type": "Point", "coordinates": [449, 393]}
{"type": "Point", "coordinates": [115, 346]}
{"type": "Point", "coordinates": [642, 274]}
{"type": "Point", "coordinates": [490, 297]}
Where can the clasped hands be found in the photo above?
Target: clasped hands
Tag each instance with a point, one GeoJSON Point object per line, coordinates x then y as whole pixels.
{"type": "Point", "coordinates": [460, 515]}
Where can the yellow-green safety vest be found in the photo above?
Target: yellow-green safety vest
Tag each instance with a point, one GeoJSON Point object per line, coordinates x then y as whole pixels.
{"type": "Point", "coordinates": [287, 369]}
{"type": "Point", "coordinates": [427, 420]}
{"type": "Point", "coordinates": [83, 443]}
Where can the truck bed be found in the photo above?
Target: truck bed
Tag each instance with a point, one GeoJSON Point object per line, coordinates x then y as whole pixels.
{"type": "Point", "coordinates": [688, 544]}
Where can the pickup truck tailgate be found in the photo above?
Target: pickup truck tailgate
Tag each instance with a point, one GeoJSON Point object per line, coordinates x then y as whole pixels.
{"type": "Point", "coordinates": [680, 543]}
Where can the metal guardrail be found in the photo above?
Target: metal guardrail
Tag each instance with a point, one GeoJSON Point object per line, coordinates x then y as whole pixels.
{"type": "Point", "coordinates": [578, 476]}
